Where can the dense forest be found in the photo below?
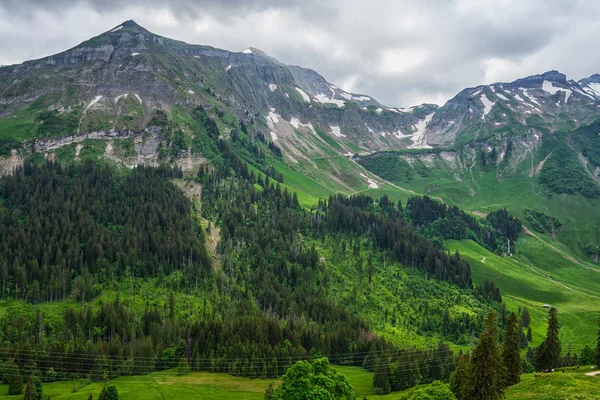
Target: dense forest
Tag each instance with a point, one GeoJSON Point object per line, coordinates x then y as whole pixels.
{"type": "Point", "coordinates": [89, 236]}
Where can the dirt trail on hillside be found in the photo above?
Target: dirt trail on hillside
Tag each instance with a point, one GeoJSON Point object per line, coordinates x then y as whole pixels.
{"type": "Point", "coordinates": [559, 251]}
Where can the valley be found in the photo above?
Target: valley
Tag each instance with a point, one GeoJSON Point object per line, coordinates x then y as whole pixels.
{"type": "Point", "coordinates": [181, 219]}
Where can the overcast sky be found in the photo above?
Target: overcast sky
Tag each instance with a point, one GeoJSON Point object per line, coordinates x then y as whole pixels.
{"type": "Point", "coordinates": [400, 52]}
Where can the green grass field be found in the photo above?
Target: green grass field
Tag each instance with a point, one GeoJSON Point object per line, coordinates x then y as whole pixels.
{"type": "Point", "coordinates": [538, 275]}
{"type": "Point", "coordinates": [195, 385]}
{"type": "Point", "coordinates": [571, 385]}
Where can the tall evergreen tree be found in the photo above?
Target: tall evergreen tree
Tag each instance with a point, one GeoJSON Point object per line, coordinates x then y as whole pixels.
{"type": "Point", "coordinates": [511, 358]}
{"type": "Point", "coordinates": [525, 317]}
{"type": "Point", "coordinates": [547, 355]}
{"type": "Point", "coordinates": [381, 379]}
{"type": "Point", "coordinates": [486, 366]}
{"type": "Point", "coordinates": [598, 346]}
{"type": "Point", "coordinates": [459, 381]}
{"type": "Point", "coordinates": [15, 382]}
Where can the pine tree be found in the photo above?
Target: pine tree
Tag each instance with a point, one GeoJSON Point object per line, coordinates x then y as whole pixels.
{"type": "Point", "coordinates": [525, 317]}
{"type": "Point", "coordinates": [548, 353]}
{"type": "Point", "coordinates": [486, 366]}
{"type": "Point", "coordinates": [183, 367]}
{"type": "Point", "coordinates": [30, 392]}
{"type": "Point", "coordinates": [15, 382]}
{"type": "Point", "coordinates": [269, 392]}
{"type": "Point", "coordinates": [598, 346]}
{"type": "Point", "coordinates": [381, 379]}
{"type": "Point", "coordinates": [460, 378]}
{"type": "Point", "coordinates": [511, 358]}
{"type": "Point", "coordinates": [529, 335]}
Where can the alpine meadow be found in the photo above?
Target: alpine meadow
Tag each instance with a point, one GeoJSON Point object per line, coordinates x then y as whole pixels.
{"type": "Point", "coordinates": [179, 221]}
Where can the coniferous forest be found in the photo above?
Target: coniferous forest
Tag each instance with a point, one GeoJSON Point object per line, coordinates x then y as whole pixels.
{"type": "Point", "coordinates": [71, 231]}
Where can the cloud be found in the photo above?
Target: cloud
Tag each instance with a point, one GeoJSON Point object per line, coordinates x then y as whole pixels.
{"type": "Point", "coordinates": [400, 52]}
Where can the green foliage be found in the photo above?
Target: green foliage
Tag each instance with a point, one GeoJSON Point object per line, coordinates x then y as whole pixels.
{"type": "Point", "coordinates": [52, 123]}
{"type": "Point", "coordinates": [318, 380]}
{"type": "Point", "coordinates": [511, 358]}
{"type": "Point", "coordinates": [436, 391]}
{"type": "Point", "coordinates": [587, 356]}
{"type": "Point", "coordinates": [115, 211]}
{"type": "Point", "coordinates": [541, 222]}
{"type": "Point", "coordinates": [270, 392]}
{"type": "Point", "coordinates": [109, 392]}
{"type": "Point", "coordinates": [597, 352]}
{"type": "Point", "coordinates": [381, 378]}
{"type": "Point", "coordinates": [435, 219]}
{"type": "Point", "coordinates": [563, 173]}
{"type": "Point", "coordinates": [6, 145]}
{"type": "Point", "coordinates": [547, 355]}
{"type": "Point", "coordinates": [12, 376]}
{"type": "Point", "coordinates": [183, 367]}
{"type": "Point", "coordinates": [390, 167]}
{"type": "Point", "coordinates": [486, 366]}
{"type": "Point", "coordinates": [34, 389]}
{"type": "Point", "coordinates": [525, 317]}
{"type": "Point", "coordinates": [460, 379]}
{"type": "Point", "coordinates": [125, 147]}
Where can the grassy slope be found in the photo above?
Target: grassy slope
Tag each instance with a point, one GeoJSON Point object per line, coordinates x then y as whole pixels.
{"type": "Point", "coordinates": [572, 385]}
{"type": "Point", "coordinates": [168, 385]}
{"type": "Point", "coordinates": [197, 385]}
{"type": "Point", "coordinates": [538, 275]}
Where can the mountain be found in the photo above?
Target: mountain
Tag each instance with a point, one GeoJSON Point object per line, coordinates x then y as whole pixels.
{"type": "Point", "coordinates": [536, 133]}
{"type": "Point", "coordinates": [272, 217]}
{"type": "Point", "coordinates": [114, 82]}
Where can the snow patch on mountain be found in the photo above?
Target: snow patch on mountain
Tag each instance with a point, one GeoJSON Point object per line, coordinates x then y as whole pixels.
{"type": "Point", "coordinates": [138, 97]}
{"type": "Point", "coordinates": [295, 122]}
{"type": "Point", "coordinates": [135, 54]}
{"type": "Point", "coordinates": [420, 136]}
{"type": "Point", "coordinates": [503, 97]}
{"type": "Point", "coordinates": [530, 97]}
{"type": "Point", "coordinates": [272, 87]}
{"type": "Point", "coordinates": [119, 97]}
{"type": "Point", "coordinates": [487, 105]}
{"type": "Point", "coordinates": [337, 132]}
{"type": "Point", "coordinates": [228, 68]}
{"type": "Point", "coordinates": [323, 99]}
{"type": "Point", "coordinates": [303, 94]}
{"type": "Point", "coordinates": [96, 99]}
{"type": "Point", "coordinates": [548, 87]}
{"type": "Point", "coordinates": [247, 51]}
{"type": "Point", "coordinates": [272, 118]}
{"type": "Point", "coordinates": [117, 28]}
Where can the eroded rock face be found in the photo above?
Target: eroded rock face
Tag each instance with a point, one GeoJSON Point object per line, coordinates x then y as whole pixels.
{"type": "Point", "coordinates": [9, 164]}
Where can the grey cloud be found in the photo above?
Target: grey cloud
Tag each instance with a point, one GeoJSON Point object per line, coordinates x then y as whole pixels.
{"type": "Point", "coordinates": [443, 46]}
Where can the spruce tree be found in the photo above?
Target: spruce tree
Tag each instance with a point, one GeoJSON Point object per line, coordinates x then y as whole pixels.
{"type": "Point", "coordinates": [15, 382]}
{"type": "Point", "coordinates": [381, 379]}
{"type": "Point", "coordinates": [511, 358]}
{"type": "Point", "coordinates": [525, 317]}
{"type": "Point", "coordinates": [598, 346]}
{"type": "Point", "coordinates": [460, 378]}
{"type": "Point", "coordinates": [30, 392]}
{"type": "Point", "coordinates": [548, 353]}
{"type": "Point", "coordinates": [486, 367]}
